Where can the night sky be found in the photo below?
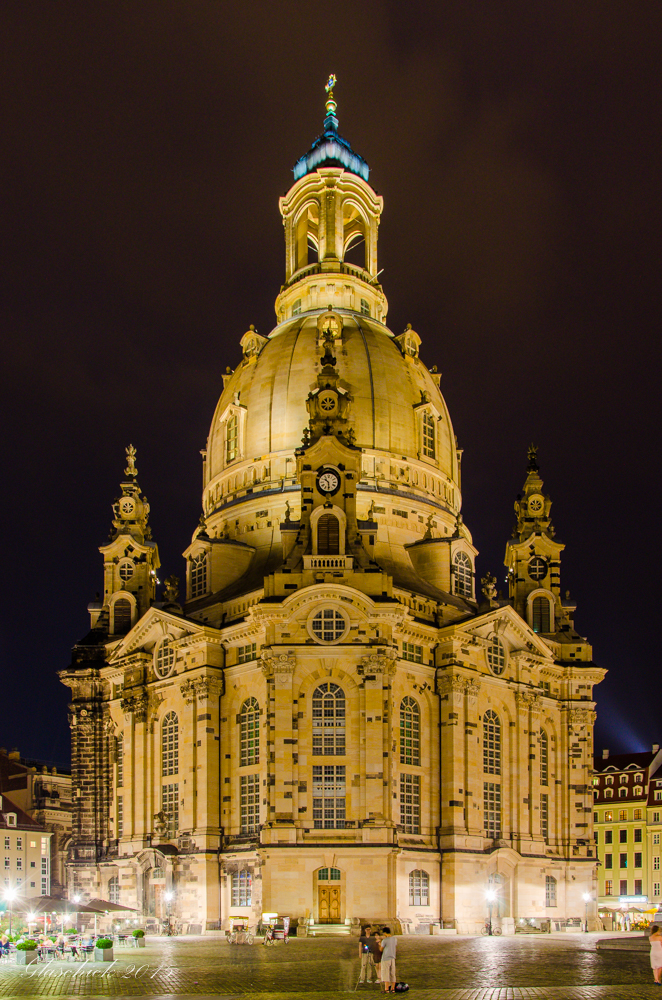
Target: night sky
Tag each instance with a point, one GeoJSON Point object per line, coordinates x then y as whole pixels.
{"type": "Point", "coordinates": [144, 148]}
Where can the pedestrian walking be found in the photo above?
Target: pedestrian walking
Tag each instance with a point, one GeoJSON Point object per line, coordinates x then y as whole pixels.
{"type": "Point", "coordinates": [388, 946]}
{"type": "Point", "coordinates": [376, 952]}
{"type": "Point", "coordinates": [656, 953]}
{"type": "Point", "coordinates": [367, 962]}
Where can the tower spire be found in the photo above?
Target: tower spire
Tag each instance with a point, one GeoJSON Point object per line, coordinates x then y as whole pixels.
{"type": "Point", "coordinates": [331, 120]}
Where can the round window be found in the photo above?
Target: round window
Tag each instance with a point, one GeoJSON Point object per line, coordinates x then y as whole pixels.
{"type": "Point", "coordinates": [164, 658]}
{"type": "Point", "coordinates": [537, 568]}
{"type": "Point", "coordinates": [328, 625]}
{"type": "Point", "coordinates": [127, 567]}
{"type": "Point", "coordinates": [496, 655]}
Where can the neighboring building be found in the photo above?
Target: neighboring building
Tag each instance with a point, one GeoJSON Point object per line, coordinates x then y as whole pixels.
{"type": "Point", "coordinates": [26, 864]}
{"type": "Point", "coordinates": [43, 791]}
{"type": "Point", "coordinates": [334, 726]}
{"type": "Point", "coordinates": [627, 792]}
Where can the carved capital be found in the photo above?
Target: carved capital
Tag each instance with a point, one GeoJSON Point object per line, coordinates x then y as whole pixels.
{"type": "Point", "coordinates": [136, 704]}
{"type": "Point", "coordinates": [452, 684]}
{"type": "Point", "coordinates": [188, 692]}
{"type": "Point", "coordinates": [381, 662]}
{"type": "Point", "coordinates": [528, 700]}
{"type": "Point", "coordinates": [581, 717]}
{"type": "Point", "coordinates": [281, 663]}
{"type": "Point", "coordinates": [209, 687]}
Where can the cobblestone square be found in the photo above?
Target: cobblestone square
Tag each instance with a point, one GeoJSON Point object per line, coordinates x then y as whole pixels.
{"type": "Point", "coordinates": [554, 967]}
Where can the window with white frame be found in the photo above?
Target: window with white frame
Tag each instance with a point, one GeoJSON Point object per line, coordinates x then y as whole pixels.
{"type": "Point", "coordinates": [496, 655]}
{"type": "Point", "coordinates": [410, 803]}
{"type": "Point", "coordinates": [492, 809]}
{"type": "Point", "coordinates": [462, 575]}
{"type": "Point", "coordinates": [656, 889]}
{"type": "Point", "coordinates": [410, 732]}
{"type": "Point", "coordinates": [328, 625]}
{"type": "Point", "coordinates": [231, 438]}
{"type": "Point", "coordinates": [170, 744]}
{"type": "Point", "coordinates": [114, 889]}
{"type": "Point", "coordinates": [242, 888]}
{"type": "Point", "coordinates": [329, 720]}
{"type": "Point", "coordinates": [329, 793]}
{"type": "Point", "coordinates": [419, 888]}
{"type": "Point", "coordinates": [491, 743]}
{"type": "Point", "coordinates": [428, 432]}
{"type": "Point", "coordinates": [249, 805]}
{"type": "Point", "coordinates": [249, 733]}
{"type": "Point", "coordinates": [198, 575]}
{"type": "Point", "coordinates": [170, 806]}
{"type": "Point", "coordinates": [550, 890]}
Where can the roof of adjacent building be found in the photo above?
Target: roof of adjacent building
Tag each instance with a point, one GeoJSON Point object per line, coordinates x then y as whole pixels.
{"type": "Point", "coordinates": [23, 821]}
{"type": "Point", "coordinates": [622, 761]}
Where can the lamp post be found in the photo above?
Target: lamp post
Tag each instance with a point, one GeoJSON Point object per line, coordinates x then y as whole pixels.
{"type": "Point", "coordinates": [10, 896]}
{"type": "Point", "coordinates": [586, 897]}
{"type": "Point", "coordinates": [76, 899]}
{"type": "Point", "coordinates": [490, 896]}
{"type": "Point", "coordinates": [168, 898]}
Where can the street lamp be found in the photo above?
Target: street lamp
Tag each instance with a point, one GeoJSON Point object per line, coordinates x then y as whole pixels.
{"type": "Point", "coordinates": [10, 896]}
{"type": "Point", "coordinates": [168, 898]}
{"type": "Point", "coordinates": [586, 897]}
{"type": "Point", "coordinates": [490, 896]}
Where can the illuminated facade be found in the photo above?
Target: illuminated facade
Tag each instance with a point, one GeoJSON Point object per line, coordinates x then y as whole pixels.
{"type": "Point", "coordinates": [334, 724]}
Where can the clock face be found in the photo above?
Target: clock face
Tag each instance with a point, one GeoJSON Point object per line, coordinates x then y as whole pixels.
{"type": "Point", "coordinates": [127, 506]}
{"type": "Point", "coordinates": [536, 504]}
{"type": "Point", "coordinates": [328, 481]}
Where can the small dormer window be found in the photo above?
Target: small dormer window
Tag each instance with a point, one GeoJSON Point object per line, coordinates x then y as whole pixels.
{"type": "Point", "coordinates": [232, 438]}
{"type": "Point", "coordinates": [428, 433]}
{"type": "Point", "coordinates": [296, 308]}
{"type": "Point", "coordinates": [623, 779]}
{"type": "Point", "coordinates": [462, 574]}
{"type": "Point", "coordinates": [365, 307]}
{"type": "Point", "coordinates": [638, 777]}
{"type": "Point", "coordinates": [11, 819]}
{"type": "Point", "coordinates": [198, 575]}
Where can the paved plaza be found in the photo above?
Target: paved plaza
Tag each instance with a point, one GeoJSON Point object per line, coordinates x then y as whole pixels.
{"type": "Point", "coordinates": [549, 967]}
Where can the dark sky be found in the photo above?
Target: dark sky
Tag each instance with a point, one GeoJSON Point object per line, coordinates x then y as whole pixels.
{"type": "Point", "coordinates": [144, 148]}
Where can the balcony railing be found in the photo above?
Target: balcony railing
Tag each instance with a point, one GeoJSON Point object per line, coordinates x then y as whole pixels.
{"type": "Point", "coordinates": [328, 562]}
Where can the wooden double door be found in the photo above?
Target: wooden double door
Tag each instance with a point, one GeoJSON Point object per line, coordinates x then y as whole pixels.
{"type": "Point", "coordinates": [329, 904]}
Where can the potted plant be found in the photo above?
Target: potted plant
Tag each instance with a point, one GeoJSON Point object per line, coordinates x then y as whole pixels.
{"type": "Point", "coordinates": [103, 950]}
{"type": "Point", "coordinates": [26, 952]}
{"type": "Point", "coordinates": [139, 937]}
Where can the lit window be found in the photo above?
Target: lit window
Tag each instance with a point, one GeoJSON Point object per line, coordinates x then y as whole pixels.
{"type": "Point", "coordinates": [410, 732]}
{"type": "Point", "coordinates": [249, 726]}
{"type": "Point", "coordinates": [231, 438]}
{"type": "Point", "coordinates": [550, 890]}
{"type": "Point", "coordinates": [170, 745]}
{"type": "Point", "coordinates": [462, 575]}
{"type": "Point", "coordinates": [492, 809]}
{"type": "Point", "coordinates": [609, 817]}
{"type": "Point", "coordinates": [247, 653]}
{"type": "Point", "coordinates": [410, 803]}
{"type": "Point", "coordinates": [491, 743]}
{"type": "Point", "coordinates": [636, 814]}
{"type": "Point", "coordinates": [198, 575]}
{"type": "Point", "coordinates": [540, 618]}
{"type": "Point", "coordinates": [609, 887]}
{"type": "Point", "coordinates": [608, 793]}
{"type": "Point", "coordinates": [329, 790]}
{"type": "Point", "coordinates": [496, 655]}
{"type": "Point", "coordinates": [164, 658]}
{"type": "Point", "coordinates": [328, 721]}
{"type": "Point", "coordinates": [412, 652]}
{"type": "Point", "coordinates": [328, 625]}
{"type": "Point", "coordinates": [429, 436]}
{"type": "Point", "coordinates": [544, 758]}
{"type": "Point", "coordinates": [170, 806]}
{"type": "Point", "coordinates": [242, 883]}
{"type": "Point", "coordinates": [419, 888]}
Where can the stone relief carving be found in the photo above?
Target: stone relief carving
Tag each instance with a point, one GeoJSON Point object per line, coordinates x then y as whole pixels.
{"type": "Point", "coordinates": [282, 663]}
{"type": "Point", "coordinates": [381, 662]}
{"type": "Point", "coordinates": [188, 692]}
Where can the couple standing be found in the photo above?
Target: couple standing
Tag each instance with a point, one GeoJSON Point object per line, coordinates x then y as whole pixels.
{"type": "Point", "coordinates": [377, 949]}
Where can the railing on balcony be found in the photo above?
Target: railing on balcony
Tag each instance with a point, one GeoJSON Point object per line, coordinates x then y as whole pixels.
{"type": "Point", "coordinates": [328, 562]}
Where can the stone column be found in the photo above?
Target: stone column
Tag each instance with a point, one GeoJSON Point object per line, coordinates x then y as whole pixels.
{"type": "Point", "coordinates": [473, 761]}
{"type": "Point", "coordinates": [451, 689]}
{"type": "Point", "coordinates": [278, 668]}
{"type": "Point", "coordinates": [204, 790]}
{"type": "Point", "coordinates": [377, 670]}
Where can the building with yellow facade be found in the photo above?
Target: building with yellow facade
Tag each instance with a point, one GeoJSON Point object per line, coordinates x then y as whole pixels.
{"type": "Point", "coordinates": [334, 723]}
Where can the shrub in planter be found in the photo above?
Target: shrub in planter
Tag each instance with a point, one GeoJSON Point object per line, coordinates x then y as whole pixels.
{"type": "Point", "coordinates": [26, 952]}
{"type": "Point", "coordinates": [138, 932]}
{"type": "Point", "coordinates": [139, 938]}
{"type": "Point", "coordinates": [103, 950]}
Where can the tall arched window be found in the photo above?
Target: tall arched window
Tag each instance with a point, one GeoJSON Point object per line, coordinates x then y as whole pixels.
{"type": "Point", "coordinates": [540, 615]}
{"type": "Point", "coordinates": [170, 744]}
{"type": "Point", "coordinates": [231, 438]}
{"type": "Point", "coordinates": [429, 436]}
{"type": "Point", "coordinates": [242, 888]}
{"type": "Point", "coordinates": [410, 732]}
{"type": "Point", "coordinates": [462, 574]}
{"type": "Point", "coordinates": [328, 720]}
{"type": "Point", "coordinates": [544, 758]}
{"type": "Point", "coordinates": [419, 888]}
{"type": "Point", "coordinates": [114, 889]}
{"type": "Point", "coordinates": [249, 733]}
{"type": "Point", "coordinates": [198, 575]}
{"type": "Point", "coordinates": [121, 616]}
{"type": "Point", "coordinates": [491, 743]}
{"type": "Point", "coordinates": [328, 535]}
{"type": "Point", "coordinates": [496, 655]}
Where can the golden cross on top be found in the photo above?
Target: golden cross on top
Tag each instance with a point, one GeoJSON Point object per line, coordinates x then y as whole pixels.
{"type": "Point", "coordinates": [331, 105]}
{"type": "Point", "coordinates": [330, 84]}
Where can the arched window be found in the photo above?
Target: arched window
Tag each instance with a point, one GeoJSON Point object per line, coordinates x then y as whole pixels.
{"type": "Point", "coordinates": [419, 888]}
{"type": "Point", "coordinates": [328, 535]}
{"type": "Point", "coordinates": [410, 732]}
{"type": "Point", "coordinates": [198, 575]}
{"type": "Point", "coordinates": [491, 743]}
{"type": "Point", "coordinates": [328, 720]}
{"type": "Point", "coordinates": [429, 435]}
{"type": "Point", "coordinates": [550, 890]}
{"type": "Point", "coordinates": [462, 574]}
{"type": "Point", "coordinates": [540, 616]}
{"type": "Point", "coordinates": [249, 733]}
{"type": "Point", "coordinates": [496, 655]}
{"type": "Point", "coordinates": [231, 438]}
{"type": "Point", "coordinates": [544, 758]}
{"type": "Point", "coordinates": [242, 888]}
{"type": "Point", "coordinates": [121, 616]}
{"type": "Point", "coordinates": [170, 744]}
{"type": "Point", "coordinates": [114, 890]}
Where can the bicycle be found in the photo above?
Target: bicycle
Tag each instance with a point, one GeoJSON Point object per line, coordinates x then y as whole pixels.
{"type": "Point", "coordinates": [491, 930]}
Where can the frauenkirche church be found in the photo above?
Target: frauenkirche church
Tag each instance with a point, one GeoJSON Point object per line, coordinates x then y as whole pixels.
{"type": "Point", "coordinates": [336, 724]}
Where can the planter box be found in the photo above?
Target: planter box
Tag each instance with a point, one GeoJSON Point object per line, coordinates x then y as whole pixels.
{"type": "Point", "coordinates": [103, 955]}
{"type": "Point", "coordinates": [139, 942]}
{"type": "Point", "coordinates": [26, 957]}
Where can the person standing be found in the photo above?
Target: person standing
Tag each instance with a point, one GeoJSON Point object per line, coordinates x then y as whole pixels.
{"type": "Point", "coordinates": [376, 952]}
{"type": "Point", "coordinates": [367, 963]}
{"type": "Point", "coordinates": [388, 947]}
{"type": "Point", "coordinates": [656, 953]}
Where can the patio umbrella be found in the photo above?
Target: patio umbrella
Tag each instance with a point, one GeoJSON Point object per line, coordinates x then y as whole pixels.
{"type": "Point", "coordinates": [48, 905]}
{"type": "Point", "coordinates": [105, 906]}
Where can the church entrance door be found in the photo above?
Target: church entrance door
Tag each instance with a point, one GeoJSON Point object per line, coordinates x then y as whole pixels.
{"type": "Point", "coordinates": [329, 904]}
